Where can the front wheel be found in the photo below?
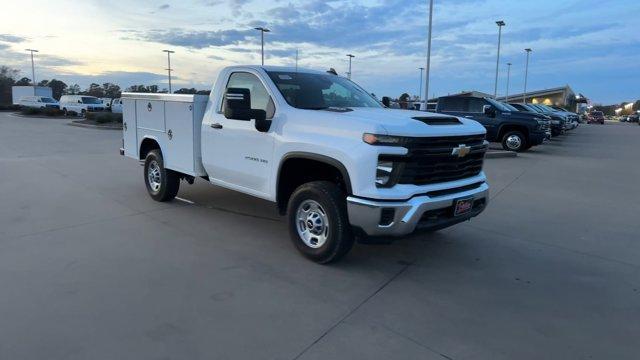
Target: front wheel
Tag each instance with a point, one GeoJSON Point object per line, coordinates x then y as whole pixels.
{"type": "Point", "coordinates": [514, 141]}
{"type": "Point", "coordinates": [318, 222]}
{"type": "Point", "coordinates": [162, 184]}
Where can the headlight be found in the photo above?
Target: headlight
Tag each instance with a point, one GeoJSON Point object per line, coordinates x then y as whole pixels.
{"type": "Point", "coordinates": [373, 139]}
{"type": "Point", "coordinates": [383, 173]}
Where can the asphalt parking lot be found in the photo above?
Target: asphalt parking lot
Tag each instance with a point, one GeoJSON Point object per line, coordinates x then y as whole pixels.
{"type": "Point", "coordinates": [92, 268]}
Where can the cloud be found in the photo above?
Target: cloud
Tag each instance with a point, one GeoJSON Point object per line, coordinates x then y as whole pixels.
{"type": "Point", "coordinates": [190, 38]}
{"type": "Point", "coordinates": [164, 7]}
{"type": "Point", "coordinates": [12, 38]}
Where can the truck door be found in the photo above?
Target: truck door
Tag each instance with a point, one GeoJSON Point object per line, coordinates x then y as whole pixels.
{"type": "Point", "coordinates": [476, 109]}
{"type": "Point", "coordinates": [234, 153]}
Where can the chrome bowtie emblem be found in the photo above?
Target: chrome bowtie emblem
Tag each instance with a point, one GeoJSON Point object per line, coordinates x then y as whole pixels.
{"type": "Point", "coordinates": [461, 151]}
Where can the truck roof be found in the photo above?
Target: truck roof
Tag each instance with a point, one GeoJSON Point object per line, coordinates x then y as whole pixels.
{"type": "Point", "coordinates": [279, 69]}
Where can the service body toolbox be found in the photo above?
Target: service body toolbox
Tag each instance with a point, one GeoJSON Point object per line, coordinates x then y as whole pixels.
{"type": "Point", "coordinates": [173, 121]}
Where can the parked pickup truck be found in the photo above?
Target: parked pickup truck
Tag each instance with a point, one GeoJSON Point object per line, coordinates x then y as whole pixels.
{"type": "Point", "coordinates": [332, 158]}
{"type": "Point", "coordinates": [517, 131]}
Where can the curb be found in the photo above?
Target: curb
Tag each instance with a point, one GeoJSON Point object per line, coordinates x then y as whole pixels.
{"type": "Point", "coordinates": [37, 116]}
{"type": "Point", "coordinates": [90, 126]}
{"type": "Point", "coordinates": [499, 154]}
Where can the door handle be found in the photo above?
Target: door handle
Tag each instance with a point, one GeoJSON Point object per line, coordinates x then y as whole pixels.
{"type": "Point", "coordinates": [216, 126]}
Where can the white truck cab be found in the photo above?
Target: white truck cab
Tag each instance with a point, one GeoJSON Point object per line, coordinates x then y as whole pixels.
{"type": "Point", "coordinates": [331, 157]}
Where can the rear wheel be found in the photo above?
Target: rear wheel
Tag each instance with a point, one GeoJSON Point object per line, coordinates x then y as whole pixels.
{"type": "Point", "coordinates": [162, 184]}
{"type": "Point", "coordinates": [514, 141]}
{"type": "Point", "coordinates": [318, 222]}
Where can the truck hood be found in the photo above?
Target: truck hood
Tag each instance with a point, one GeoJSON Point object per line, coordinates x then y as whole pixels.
{"type": "Point", "coordinates": [410, 123]}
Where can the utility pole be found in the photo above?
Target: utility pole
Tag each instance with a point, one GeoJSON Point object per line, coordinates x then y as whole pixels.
{"type": "Point", "coordinates": [526, 75]}
{"type": "Point", "coordinates": [350, 57]}
{"type": "Point", "coordinates": [262, 31]}
{"type": "Point", "coordinates": [169, 52]}
{"type": "Point", "coordinates": [508, 78]}
{"type": "Point", "coordinates": [420, 93]}
{"type": "Point", "coordinates": [500, 24]}
{"type": "Point", "coordinates": [33, 70]}
{"type": "Point", "coordinates": [428, 68]}
{"type": "Point", "coordinates": [296, 60]}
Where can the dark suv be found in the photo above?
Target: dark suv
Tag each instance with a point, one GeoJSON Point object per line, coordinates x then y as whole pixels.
{"type": "Point", "coordinates": [558, 124]}
{"type": "Point", "coordinates": [517, 131]}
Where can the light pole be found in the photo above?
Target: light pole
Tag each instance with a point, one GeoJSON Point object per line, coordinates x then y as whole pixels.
{"type": "Point", "coordinates": [420, 93]}
{"type": "Point", "coordinates": [428, 68]}
{"type": "Point", "coordinates": [33, 70]}
{"type": "Point", "coordinates": [350, 57]}
{"type": "Point", "coordinates": [500, 24]}
{"type": "Point", "coordinates": [508, 78]}
{"type": "Point", "coordinates": [262, 31]}
{"type": "Point", "coordinates": [526, 75]}
{"type": "Point", "coordinates": [169, 52]}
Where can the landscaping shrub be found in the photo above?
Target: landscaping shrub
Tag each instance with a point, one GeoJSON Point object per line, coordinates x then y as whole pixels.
{"type": "Point", "coordinates": [47, 112]}
{"type": "Point", "coordinates": [9, 107]}
{"type": "Point", "coordinates": [104, 117]}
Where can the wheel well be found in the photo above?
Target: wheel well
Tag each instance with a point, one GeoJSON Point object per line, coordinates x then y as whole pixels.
{"type": "Point", "coordinates": [146, 146]}
{"type": "Point", "coordinates": [300, 170]}
{"type": "Point", "coordinates": [506, 128]}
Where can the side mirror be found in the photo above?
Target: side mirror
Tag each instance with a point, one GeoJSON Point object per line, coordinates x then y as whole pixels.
{"type": "Point", "coordinates": [237, 104]}
{"type": "Point", "coordinates": [489, 111]}
{"type": "Point", "coordinates": [262, 124]}
{"type": "Point", "coordinates": [386, 101]}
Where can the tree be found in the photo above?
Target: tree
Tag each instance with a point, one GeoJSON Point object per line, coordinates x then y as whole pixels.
{"type": "Point", "coordinates": [73, 90]}
{"type": "Point", "coordinates": [404, 97]}
{"type": "Point", "coordinates": [111, 90]}
{"type": "Point", "coordinates": [7, 80]}
{"type": "Point", "coordinates": [94, 90]}
{"type": "Point", "coordinates": [186, 91]}
{"type": "Point", "coordinates": [57, 87]}
{"type": "Point", "coordinates": [204, 92]}
{"type": "Point", "coordinates": [25, 81]}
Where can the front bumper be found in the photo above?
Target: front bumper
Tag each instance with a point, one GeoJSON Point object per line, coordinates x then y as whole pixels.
{"type": "Point", "coordinates": [424, 212]}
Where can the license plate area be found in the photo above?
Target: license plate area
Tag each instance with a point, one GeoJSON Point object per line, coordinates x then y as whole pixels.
{"type": "Point", "coordinates": [462, 206]}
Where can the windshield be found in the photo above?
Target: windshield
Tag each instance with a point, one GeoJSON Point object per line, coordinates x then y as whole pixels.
{"type": "Point", "coordinates": [547, 108]}
{"type": "Point", "coordinates": [321, 91]}
{"type": "Point", "coordinates": [90, 100]}
{"type": "Point", "coordinates": [500, 106]}
{"type": "Point", "coordinates": [47, 100]}
{"type": "Point", "coordinates": [510, 107]}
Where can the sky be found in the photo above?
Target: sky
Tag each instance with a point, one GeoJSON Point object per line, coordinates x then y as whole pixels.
{"type": "Point", "coordinates": [591, 45]}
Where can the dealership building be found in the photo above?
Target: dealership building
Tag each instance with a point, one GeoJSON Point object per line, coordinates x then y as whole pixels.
{"type": "Point", "coordinates": [562, 96]}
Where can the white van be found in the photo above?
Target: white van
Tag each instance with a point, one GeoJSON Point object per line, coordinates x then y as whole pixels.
{"type": "Point", "coordinates": [116, 106]}
{"type": "Point", "coordinates": [80, 104]}
{"type": "Point", "coordinates": [39, 102]}
{"type": "Point", "coordinates": [106, 102]}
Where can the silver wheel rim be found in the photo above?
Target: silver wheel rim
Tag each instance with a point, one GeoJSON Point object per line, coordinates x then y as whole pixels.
{"type": "Point", "coordinates": [312, 224]}
{"type": "Point", "coordinates": [514, 142]}
{"type": "Point", "coordinates": [153, 174]}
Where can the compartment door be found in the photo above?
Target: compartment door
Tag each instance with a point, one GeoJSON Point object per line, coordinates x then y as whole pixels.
{"type": "Point", "coordinates": [129, 128]}
{"type": "Point", "coordinates": [180, 147]}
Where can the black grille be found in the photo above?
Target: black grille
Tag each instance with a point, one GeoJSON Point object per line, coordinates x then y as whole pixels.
{"type": "Point", "coordinates": [431, 160]}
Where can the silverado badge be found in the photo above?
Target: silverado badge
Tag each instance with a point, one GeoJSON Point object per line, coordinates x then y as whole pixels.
{"type": "Point", "coordinates": [461, 151]}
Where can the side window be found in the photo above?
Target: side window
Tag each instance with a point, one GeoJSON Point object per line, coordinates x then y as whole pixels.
{"type": "Point", "coordinates": [260, 98]}
{"type": "Point", "coordinates": [475, 105]}
{"type": "Point", "coordinates": [455, 104]}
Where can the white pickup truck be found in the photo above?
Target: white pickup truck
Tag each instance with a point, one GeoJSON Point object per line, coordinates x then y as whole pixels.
{"type": "Point", "coordinates": [332, 158]}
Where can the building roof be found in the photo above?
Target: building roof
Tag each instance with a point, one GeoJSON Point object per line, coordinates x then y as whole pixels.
{"type": "Point", "coordinates": [540, 93]}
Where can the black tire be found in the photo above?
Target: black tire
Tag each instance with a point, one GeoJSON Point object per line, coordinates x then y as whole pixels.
{"type": "Point", "coordinates": [83, 113]}
{"type": "Point", "coordinates": [519, 145]}
{"type": "Point", "coordinates": [66, 112]}
{"type": "Point", "coordinates": [169, 180]}
{"type": "Point", "coordinates": [339, 237]}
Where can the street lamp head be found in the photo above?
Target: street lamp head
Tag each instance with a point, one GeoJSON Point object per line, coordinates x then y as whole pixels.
{"type": "Point", "coordinates": [351, 56]}
{"type": "Point", "coordinates": [500, 23]}
{"type": "Point", "coordinates": [528, 50]}
{"type": "Point", "coordinates": [32, 50]}
{"type": "Point", "coordinates": [509, 64]}
{"type": "Point", "coordinates": [169, 51]}
{"type": "Point", "coordinates": [262, 29]}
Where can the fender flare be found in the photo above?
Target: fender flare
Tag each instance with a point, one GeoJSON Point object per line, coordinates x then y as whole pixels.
{"type": "Point", "coordinates": [320, 158]}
